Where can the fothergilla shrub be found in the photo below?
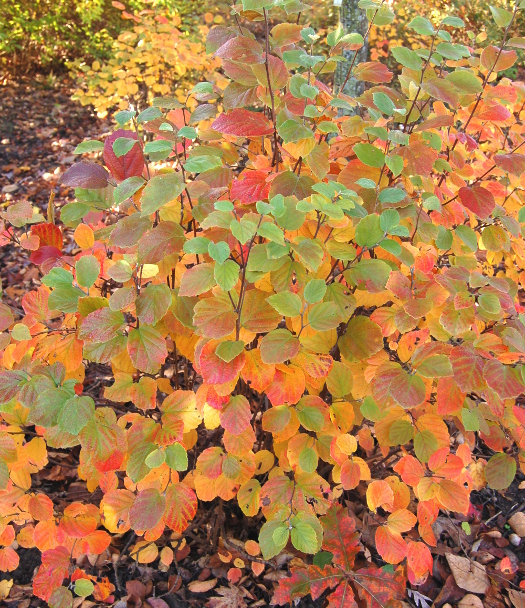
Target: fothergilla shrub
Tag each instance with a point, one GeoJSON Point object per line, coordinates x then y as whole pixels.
{"type": "Point", "coordinates": [288, 287]}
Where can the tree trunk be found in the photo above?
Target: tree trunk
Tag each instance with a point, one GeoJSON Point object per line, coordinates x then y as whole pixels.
{"type": "Point", "coordinates": [352, 19]}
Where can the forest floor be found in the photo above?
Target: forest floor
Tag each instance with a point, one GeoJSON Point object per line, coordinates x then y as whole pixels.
{"type": "Point", "coordinates": [39, 131]}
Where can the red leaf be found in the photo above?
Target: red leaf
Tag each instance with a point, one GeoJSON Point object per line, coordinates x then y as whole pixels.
{"type": "Point", "coordinates": [380, 588]}
{"type": "Point", "coordinates": [45, 253]}
{"type": "Point", "coordinates": [214, 369]}
{"type": "Point", "coordinates": [373, 71]}
{"type": "Point", "coordinates": [503, 379]}
{"type": "Point", "coordinates": [478, 200]}
{"type": "Point", "coordinates": [251, 188]}
{"type": "Point", "coordinates": [297, 585]}
{"type": "Point", "coordinates": [86, 175]}
{"type": "Point", "coordinates": [49, 234]}
{"type": "Point", "coordinates": [132, 163]}
{"type": "Point", "coordinates": [54, 569]}
{"type": "Point", "coordinates": [147, 510]}
{"type": "Point", "coordinates": [511, 163]}
{"type": "Point", "coordinates": [419, 561]}
{"type": "Point", "coordinates": [468, 369]}
{"type": "Point", "coordinates": [236, 415]}
{"type": "Point", "coordinates": [241, 48]}
{"type": "Point", "coordinates": [342, 597]}
{"type": "Point", "coordinates": [340, 537]}
{"type": "Point", "coordinates": [243, 123]}
{"type": "Point", "coordinates": [390, 545]}
{"type": "Point", "coordinates": [181, 506]}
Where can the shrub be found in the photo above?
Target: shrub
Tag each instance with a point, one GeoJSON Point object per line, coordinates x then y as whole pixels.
{"type": "Point", "coordinates": [43, 35]}
{"type": "Point", "coordinates": [286, 300]}
{"type": "Point", "coordinates": [152, 58]}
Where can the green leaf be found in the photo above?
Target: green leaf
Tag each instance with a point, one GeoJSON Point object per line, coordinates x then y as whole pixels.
{"type": "Point", "coordinates": [286, 303]}
{"type": "Point", "coordinates": [267, 543]}
{"type": "Point", "coordinates": [392, 195]}
{"type": "Point", "coordinates": [322, 559]}
{"type": "Point", "coordinates": [324, 316]}
{"type": "Point", "coordinates": [149, 114]}
{"type": "Point", "coordinates": [153, 302]}
{"type": "Point", "coordinates": [407, 57]}
{"type": "Point", "coordinates": [198, 244]}
{"type": "Point", "coordinates": [155, 459]}
{"type": "Point", "coordinates": [122, 145]}
{"type": "Point", "coordinates": [501, 16]}
{"type": "Point", "coordinates": [158, 145]}
{"type": "Point", "coordinates": [370, 410]}
{"type": "Point", "coordinates": [370, 155]}
{"type": "Point", "coordinates": [369, 232]}
{"type": "Point", "coordinates": [270, 231]}
{"type": "Point", "coordinates": [391, 246]}
{"type": "Point", "coordinates": [470, 420]}
{"type": "Point", "coordinates": [65, 298]}
{"type": "Point", "coordinates": [58, 277]}
{"type": "Point", "coordinates": [310, 252]}
{"type": "Point", "coordinates": [219, 252]}
{"type": "Point", "coordinates": [228, 350]}
{"type": "Point", "coordinates": [422, 26]}
{"type": "Point", "coordinates": [147, 349]}
{"type": "Point", "coordinates": [389, 219]}
{"type": "Point", "coordinates": [400, 432]}
{"type": "Point", "coordinates": [226, 274]}
{"type": "Point", "coordinates": [293, 131]}
{"type": "Point", "coordinates": [127, 189]}
{"type": "Point", "coordinates": [281, 534]}
{"type": "Point", "coordinates": [304, 538]}
{"type": "Point", "coordinates": [308, 460]}
{"type": "Point", "coordinates": [72, 213]}
{"type": "Point", "coordinates": [188, 132]}
{"type": "Point", "coordinates": [468, 236]}
{"type": "Point", "coordinates": [20, 332]}
{"type": "Point", "coordinates": [177, 457]}
{"type": "Point", "coordinates": [84, 587]}
{"type": "Point", "coordinates": [91, 145]}
{"type": "Point", "coordinates": [384, 103]}
{"type": "Point", "coordinates": [244, 230]}
{"type": "Point", "coordinates": [159, 191]}
{"type": "Point", "coordinates": [500, 471]}
{"type": "Point", "coordinates": [465, 81]}
{"type": "Point", "coordinates": [76, 413]}
{"type": "Point", "coordinates": [425, 444]}
{"type": "Point", "coordinates": [197, 280]}
{"type": "Point", "coordinates": [87, 270]}
{"type": "Point", "coordinates": [395, 164]}
{"type": "Point", "coordinates": [453, 21]}
{"type": "Point", "coordinates": [202, 163]}
{"type": "Point", "coordinates": [308, 91]}
{"type": "Point", "coordinates": [315, 290]}
{"type": "Point", "coordinates": [124, 116]}
{"type": "Point", "coordinates": [278, 346]}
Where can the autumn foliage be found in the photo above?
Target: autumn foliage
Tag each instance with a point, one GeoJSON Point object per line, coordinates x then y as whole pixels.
{"type": "Point", "coordinates": [285, 295]}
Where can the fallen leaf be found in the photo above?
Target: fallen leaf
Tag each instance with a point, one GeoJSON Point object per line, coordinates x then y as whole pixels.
{"type": "Point", "coordinates": [202, 586]}
{"type": "Point", "coordinates": [517, 523]}
{"type": "Point", "coordinates": [469, 575]}
{"type": "Point", "coordinates": [232, 597]}
{"type": "Point", "coordinates": [517, 598]}
{"type": "Point", "coordinates": [470, 601]}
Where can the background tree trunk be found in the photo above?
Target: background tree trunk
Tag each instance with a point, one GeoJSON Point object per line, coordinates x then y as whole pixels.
{"type": "Point", "coordinates": [352, 19]}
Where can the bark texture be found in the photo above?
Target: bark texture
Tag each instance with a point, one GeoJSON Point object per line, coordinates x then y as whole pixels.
{"type": "Point", "coordinates": [352, 19]}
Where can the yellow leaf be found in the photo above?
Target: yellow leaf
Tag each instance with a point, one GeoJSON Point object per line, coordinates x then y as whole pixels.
{"type": "Point", "coordinates": [84, 236]}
